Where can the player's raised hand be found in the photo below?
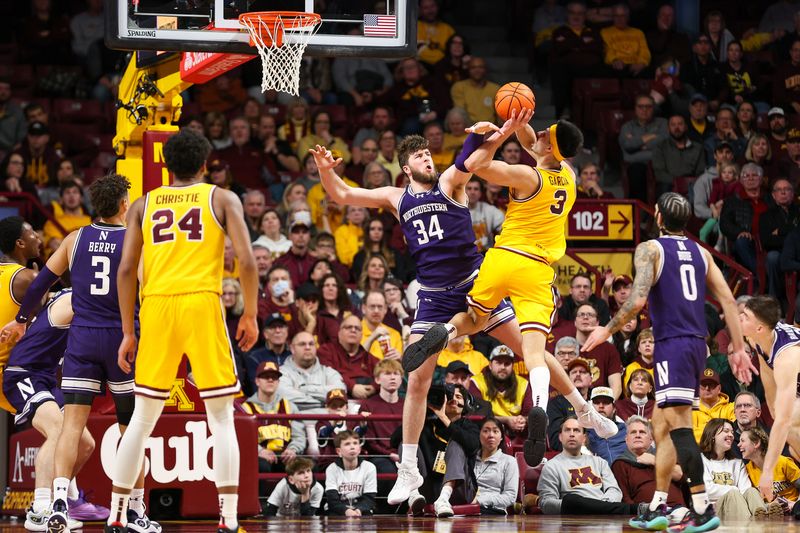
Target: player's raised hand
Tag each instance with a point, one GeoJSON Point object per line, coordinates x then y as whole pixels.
{"type": "Point", "coordinates": [127, 352]}
{"type": "Point", "coordinates": [599, 335]}
{"type": "Point", "coordinates": [516, 121]}
{"type": "Point", "coordinates": [324, 158]}
{"type": "Point", "coordinates": [482, 127]}
{"type": "Point", "coordinates": [12, 332]}
{"type": "Point", "coordinates": [247, 332]}
{"type": "Point", "coordinates": [741, 365]}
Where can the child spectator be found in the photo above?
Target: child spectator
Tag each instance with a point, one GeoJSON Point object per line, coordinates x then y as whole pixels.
{"type": "Point", "coordinates": [297, 494]}
{"type": "Point", "coordinates": [351, 484]}
{"type": "Point", "coordinates": [722, 188]}
{"type": "Point", "coordinates": [389, 377]}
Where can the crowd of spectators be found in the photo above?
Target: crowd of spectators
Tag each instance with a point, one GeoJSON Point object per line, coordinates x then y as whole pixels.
{"type": "Point", "coordinates": [719, 113]}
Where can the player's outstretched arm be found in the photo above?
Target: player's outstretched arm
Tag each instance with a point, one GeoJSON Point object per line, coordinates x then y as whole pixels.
{"type": "Point", "coordinates": [127, 281]}
{"type": "Point", "coordinates": [740, 362]}
{"type": "Point", "coordinates": [785, 372]}
{"type": "Point", "coordinates": [644, 261]}
{"type": "Point", "coordinates": [343, 194]}
{"type": "Point", "coordinates": [247, 330]}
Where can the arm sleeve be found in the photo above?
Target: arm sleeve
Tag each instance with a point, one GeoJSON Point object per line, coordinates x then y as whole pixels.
{"type": "Point", "coordinates": [549, 494]}
{"type": "Point", "coordinates": [271, 510]}
{"type": "Point", "coordinates": [335, 504]}
{"type": "Point", "coordinates": [36, 291]}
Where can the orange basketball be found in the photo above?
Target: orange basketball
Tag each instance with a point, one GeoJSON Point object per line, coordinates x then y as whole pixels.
{"type": "Point", "coordinates": [513, 95]}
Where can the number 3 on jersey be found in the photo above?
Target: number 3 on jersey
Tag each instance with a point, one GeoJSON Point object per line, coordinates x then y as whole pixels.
{"type": "Point", "coordinates": [191, 224]}
{"type": "Point", "coordinates": [433, 230]}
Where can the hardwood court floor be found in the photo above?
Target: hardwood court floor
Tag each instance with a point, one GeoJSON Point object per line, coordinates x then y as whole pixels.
{"type": "Point", "coordinates": [391, 524]}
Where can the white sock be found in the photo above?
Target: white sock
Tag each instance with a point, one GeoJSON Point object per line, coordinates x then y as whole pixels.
{"type": "Point", "coordinates": [658, 499]}
{"type": "Point", "coordinates": [136, 502]}
{"type": "Point", "coordinates": [72, 490]}
{"type": "Point", "coordinates": [228, 505]}
{"type": "Point", "coordinates": [700, 502]}
{"type": "Point", "coordinates": [447, 491]}
{"type": "Point", "coordinates": [540, 386]}
{"type": "Point", "coordinates": [452, 332]}
{"type": "Point", "coordinates": [576, 400]}
{"type": "Point", "coordinates": [41, 499]}
{"type": "Point", "coordinates": [60, 489]}
{"type": "Point", "coordinates": [119, 508]}
{"type": "Point", "coordinates": [408, 456]}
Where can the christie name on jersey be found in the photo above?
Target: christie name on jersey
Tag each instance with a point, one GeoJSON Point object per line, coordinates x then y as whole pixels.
{"type": "Point", "coordinates": [424, 208]}
{"type": "Point", "coordinates": [177, 198]}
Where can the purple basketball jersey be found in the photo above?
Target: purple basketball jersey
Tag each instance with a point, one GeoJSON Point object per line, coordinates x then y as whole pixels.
{"type": "Point", "coordinates": [785, 336]}
{"type": "Point", "coordinates": [440, 237]}
{"type": "Point", "coordinates": [43, 345]}
{"type": "Point", "coordinates": [678, 296]}
{"type": "Point", "coordinates": [93, 268]}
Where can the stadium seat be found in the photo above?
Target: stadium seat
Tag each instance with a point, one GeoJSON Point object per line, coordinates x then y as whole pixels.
{"type": "Point", "coordinates": [92, 173]}
{"type": "Point", "coordinates": [633, 88]}
{"type": "Point", "coordinates": [63, 130]}
{"type": "Point", "coordinates": [24, 101]}
{"type": "Point", "coordinates": [682, 184]}
{"type": "Point", "coordinates": [650, 180]}
{"type": "Point", "coordinates": [609, 125]}
{"type": "Point", "coordinates": [23, 80]}
{"type": "Point", "coordinates": [278, 111]}
{"type": "Point", "coordinates": [587, 91]}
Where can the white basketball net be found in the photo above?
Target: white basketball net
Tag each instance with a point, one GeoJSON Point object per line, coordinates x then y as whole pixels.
{"type": "Point", "coordinates": [281, 64]}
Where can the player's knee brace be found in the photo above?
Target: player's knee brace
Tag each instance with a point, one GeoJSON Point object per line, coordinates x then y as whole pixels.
{"type": "Point", "coordinates": [124, 407]}
{"type": "Point", "coordinates": [688, 455]}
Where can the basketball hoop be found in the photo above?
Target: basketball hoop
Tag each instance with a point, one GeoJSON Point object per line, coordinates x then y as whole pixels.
{"type": "Point", "coordinates": [280, 57]}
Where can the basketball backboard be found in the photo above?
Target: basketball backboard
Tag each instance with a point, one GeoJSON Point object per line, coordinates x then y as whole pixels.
{"type": "Point", "coordinates": [368, 28]}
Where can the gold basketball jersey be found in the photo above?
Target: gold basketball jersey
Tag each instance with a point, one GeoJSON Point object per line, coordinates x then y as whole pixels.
{"type": "Point", "coordinates": [184, 242]}
{"type": "Point", "coordinates": [536, 225]}
{"type": "Point", "coordinates": [9, 306]}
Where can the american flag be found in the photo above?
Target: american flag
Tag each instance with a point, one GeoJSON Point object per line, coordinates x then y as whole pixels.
{"type": "Point", "coordinates": [380, 25]}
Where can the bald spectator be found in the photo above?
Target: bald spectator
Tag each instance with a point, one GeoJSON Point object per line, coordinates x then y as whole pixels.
{"type": "Point", "coordinates": [676, 156]}
{"type": "Point", "coordinates": [244, 156]}
{"type": "Point", "coordinates": [665, 42]}
{"type": "Point", "coordinates": [346, 354]}
{"type": "Point", "coordinates": [306, 381]}
{"type": "Point", "coordinates": [626, 48]}
{"type": "Point", "coordinates": [577, 52]}
{"type": "Point", "coordinates": [476, 93]}
{"type": "Point", "coordinates": [432, 33]}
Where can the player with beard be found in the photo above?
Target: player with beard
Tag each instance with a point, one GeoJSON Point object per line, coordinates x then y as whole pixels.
{"type": "Point", "coordinates": [434, 216]}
